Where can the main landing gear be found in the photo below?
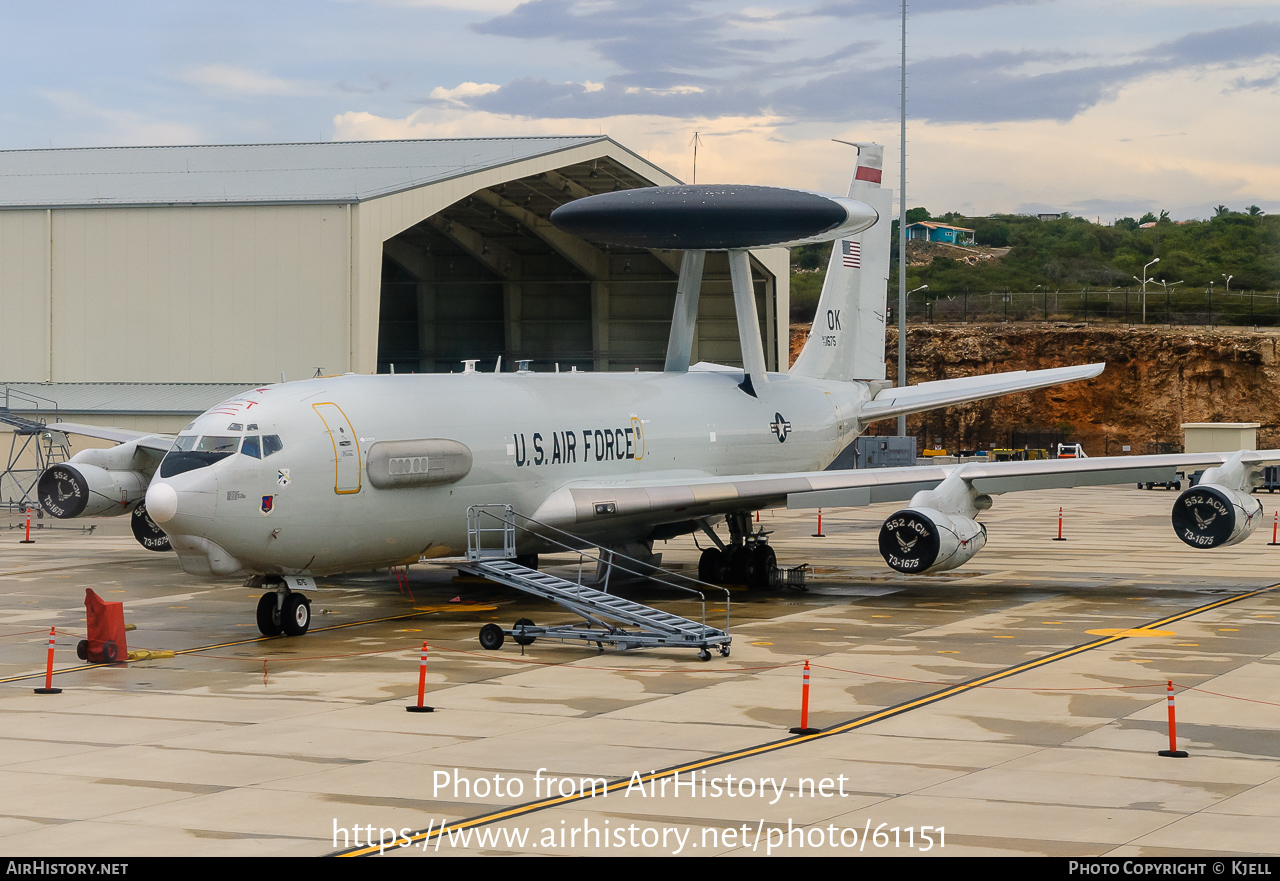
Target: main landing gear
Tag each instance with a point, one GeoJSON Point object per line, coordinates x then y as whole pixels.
{"type": "Point", "coordinates": [747, 559]}
{"type": "Point", "coordinates": [284, 611]}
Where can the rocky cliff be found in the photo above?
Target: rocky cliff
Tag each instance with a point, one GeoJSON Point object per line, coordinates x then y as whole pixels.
{"type": "Point", "coordinates": [1155, 380]}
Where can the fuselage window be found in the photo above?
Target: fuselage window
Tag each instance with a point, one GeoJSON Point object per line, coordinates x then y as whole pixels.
{"type": "Point", "coordinates": [252, 447]}
{"type": "Point", "coordinates": [271, 444]}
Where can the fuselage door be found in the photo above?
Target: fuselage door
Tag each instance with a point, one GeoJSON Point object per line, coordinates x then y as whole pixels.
{"type": "Point", "coordinates": [346, 448]}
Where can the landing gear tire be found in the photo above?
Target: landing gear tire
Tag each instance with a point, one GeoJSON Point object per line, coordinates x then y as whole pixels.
{"type": "Point", "coordinates": [709, 565]}
{"type": "Point", "coordinates": [523, 640]}
{"type": "Point", "coordinates": [763, 562]}
{"type": "Point", "coordinates": [740, 565]}
{"type": "Point", "coordinates": [295, 617]}
{"type": "Point", "coordinates": [704, 655]}
{"type": "Point", "coordinates": [269, 615]}
{"type": "Point", "coordinates": [491, 637]}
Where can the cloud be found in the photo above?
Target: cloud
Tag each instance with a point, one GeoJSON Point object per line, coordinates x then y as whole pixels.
{"type": "Point", "coordinates": [679, 60]}
{"type": "Point", "coordinates": [121, 127]}
{"type": "Point", "coordinates": [1245, 43]}
{"type": "Point", "coordinates": [1158, 143]}
{"type": "Point", "coordinates": [639, 35]}
{"type": "Point", "coordinates": [460, 94]}
{"type": "Point", "coordinates": [225, 78]}
{"type": "Point", "coordinates": [881, 9]}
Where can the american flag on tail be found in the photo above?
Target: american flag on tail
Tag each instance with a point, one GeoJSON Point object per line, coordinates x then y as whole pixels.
{"type": "Point", "coordinates": [851, 254]}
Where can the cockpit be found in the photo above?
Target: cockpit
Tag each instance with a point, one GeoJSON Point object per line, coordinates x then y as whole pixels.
{"type": "Point", "coordinates": [191, 450]}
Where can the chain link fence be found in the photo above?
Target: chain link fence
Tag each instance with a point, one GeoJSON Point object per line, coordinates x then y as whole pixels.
{"type": "Point", "coordinates": [1116, 306]}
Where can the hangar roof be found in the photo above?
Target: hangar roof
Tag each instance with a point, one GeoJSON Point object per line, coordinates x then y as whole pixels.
{"type": "Point", "coordinates": [324, 172]}
{"type": "Point", "coordinates": [61, 399]}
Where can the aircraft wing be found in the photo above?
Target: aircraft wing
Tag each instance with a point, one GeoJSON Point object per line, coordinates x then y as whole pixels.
{"type": "Point", "coordinates": [159, 443]}
{"type": "Point", "coordinates": [665, 501]}
{"type": "Point", "coordinates": [942, 393]}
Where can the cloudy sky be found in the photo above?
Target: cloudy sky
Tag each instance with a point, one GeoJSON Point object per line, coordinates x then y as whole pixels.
{"type": "Point", "coordinates": [1099, 107]}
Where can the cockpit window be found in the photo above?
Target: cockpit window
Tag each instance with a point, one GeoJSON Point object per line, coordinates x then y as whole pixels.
{"type": "Point", "coordinates": [271, 444]}
{"type": "Point", "coordinates": [186, 457]}
{"type": "Point", "coordinates": [217, 444]}
{"type": "Point", "coordinates": [252, 447]}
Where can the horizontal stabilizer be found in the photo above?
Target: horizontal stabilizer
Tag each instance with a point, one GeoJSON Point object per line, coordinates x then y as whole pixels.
{"type": "Point", "coordinates": [945, 392]}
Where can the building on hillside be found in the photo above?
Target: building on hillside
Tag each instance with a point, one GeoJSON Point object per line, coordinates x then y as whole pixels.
{"type": "Point", "coordinates": [931, 231]}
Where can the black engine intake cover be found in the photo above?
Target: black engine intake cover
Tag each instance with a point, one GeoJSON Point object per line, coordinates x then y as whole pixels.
{"type": "Point", "coordinates": [150, 536]}
{"type": "Point", "coordinates": [909, 542]}
{"type": "Point", "coordinates": [1204, 517]}
{"type": "Point", "coordinates": [63, 492]}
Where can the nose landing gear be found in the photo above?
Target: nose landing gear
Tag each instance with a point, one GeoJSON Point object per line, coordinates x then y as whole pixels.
{"type": "Point", "coordinates": [284, 611]}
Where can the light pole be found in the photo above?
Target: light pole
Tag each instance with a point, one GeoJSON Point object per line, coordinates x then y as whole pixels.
{"type": "Point", "coordinates": [1228, 278]}
{"type": "Point", "coordinates": [1144, 281]}
{"type": "Point", "coordinates": [902, 231]}
{"type": "Point", "coordinates": [1166, 285]}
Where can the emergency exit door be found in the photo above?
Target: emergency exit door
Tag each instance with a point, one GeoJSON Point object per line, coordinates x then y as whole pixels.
{"type": "Point", "coordinates": [346, 448]}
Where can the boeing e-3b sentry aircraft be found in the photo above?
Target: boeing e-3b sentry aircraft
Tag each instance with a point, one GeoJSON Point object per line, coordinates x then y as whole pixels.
{"type": "Point", "coordinates": [287, 482]}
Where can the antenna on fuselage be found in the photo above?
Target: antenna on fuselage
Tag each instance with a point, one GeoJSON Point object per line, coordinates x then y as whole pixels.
{"type": "Point", "coordinates": [498, 367]}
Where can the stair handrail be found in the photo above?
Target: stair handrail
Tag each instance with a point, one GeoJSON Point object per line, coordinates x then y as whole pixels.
{"type": "Point", "coordinates": [611, 563]}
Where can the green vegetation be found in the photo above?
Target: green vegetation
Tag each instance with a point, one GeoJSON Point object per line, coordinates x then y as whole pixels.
{"type": "Point", "coordinates": [1072, 253]}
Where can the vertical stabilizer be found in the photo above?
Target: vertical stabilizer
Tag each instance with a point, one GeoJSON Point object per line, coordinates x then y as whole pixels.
{"type": "Point", "coordinates": [847, 339]}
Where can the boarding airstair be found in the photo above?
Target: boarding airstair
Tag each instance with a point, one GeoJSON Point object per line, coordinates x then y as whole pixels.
{"type": "Point", "coordinates": [624, 623]}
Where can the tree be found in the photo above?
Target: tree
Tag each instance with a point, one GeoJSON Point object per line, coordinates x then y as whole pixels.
{"type": "Point", "coordinates": [1255, 211]}
{"type": "Point", "coordinates": [1221, 210]}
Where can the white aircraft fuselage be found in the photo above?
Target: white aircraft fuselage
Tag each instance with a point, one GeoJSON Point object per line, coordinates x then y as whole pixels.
{"type": "Point", "coordinates": [311, 507]}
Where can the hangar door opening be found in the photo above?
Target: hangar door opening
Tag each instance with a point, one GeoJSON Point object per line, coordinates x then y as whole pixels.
{"type": "Point", "coordinates": [490, 276]}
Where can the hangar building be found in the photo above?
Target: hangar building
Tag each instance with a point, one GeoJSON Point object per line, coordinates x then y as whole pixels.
{"type": "Point", "coordinates": [141, 285]}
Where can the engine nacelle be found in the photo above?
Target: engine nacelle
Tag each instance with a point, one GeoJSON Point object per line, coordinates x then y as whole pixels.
{"type": "Point", "coordinates": [1213, 516]}
{"type": "Point", "coordinates": [78, 489]}
{"type": "Point", "coordinates": [919, 540]}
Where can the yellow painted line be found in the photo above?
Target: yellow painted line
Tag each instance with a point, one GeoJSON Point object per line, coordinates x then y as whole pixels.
{"type": "Point", "coordinates": [724, 758]}
{"type": "Point", "coordinates": [1137, 631]}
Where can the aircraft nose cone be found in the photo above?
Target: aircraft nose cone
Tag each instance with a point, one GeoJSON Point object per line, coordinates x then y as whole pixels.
{"type": "Point", "coordinates": [162, 502]}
